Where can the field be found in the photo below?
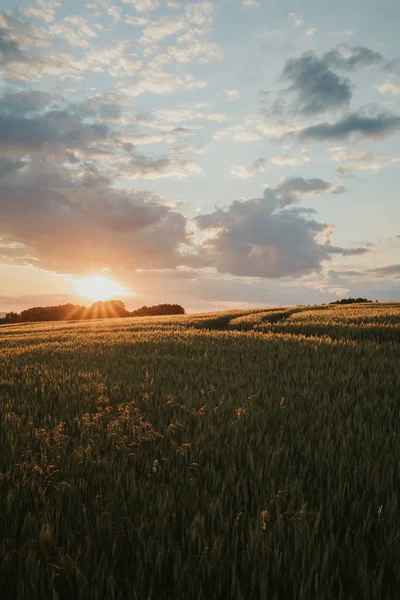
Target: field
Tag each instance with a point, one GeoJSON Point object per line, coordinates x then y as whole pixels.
{"type": "Point", "coordinates": [237, 455]}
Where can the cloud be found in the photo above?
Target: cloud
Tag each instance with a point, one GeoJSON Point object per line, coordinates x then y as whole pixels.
{"type": "Point", "coordinates": [389, 88]}
{"type": "Point", "coordinates": [262, 237]}
{"type": "Point", "coordinates": [311, 32]}
{"type": "Point", "coordinates": [364, 160]}
{"type": "Point", "coordinates": [250, 3]}
{"type": "Point", "coordinates": [143, 5]}
{"type": "Point", "coordinates": [136, 21]}
{"type": "Point", "coordinates": [287, 159]}
{"type": "Point", "coordinates": [10, 50]}
{"type": "Point", "coordinates": [316, 86]}
{"type": "Point", "coordinates": [237, 133]}
{"type": "Point", "coordinates": [10, 165]}
{"type": "Point", "coordinates": [183, 150]}
{"type": "Point", "coordinates": [296, 19]}
{"type": "Point", "coordinates": [350, 168]}
{"type": "Point", "coordinates": [199, 13]}
{"type": "Point", "coordinates": [354, 124]}
{"type": "Point", "coordinates": [348, 58]}
{"type": "Point", "coordinates": [290, 188]}
{"type": "Point", "coordinates": [43, 9]}
{"type": "Point", "coordinates": [189, 112]}
{"type": "Point", "coordinates": [155, 79]}
{"type": "Point", "coordinates": [32, 129]}
{"type": "Point", "coordinates": [144, 167]}
{"type": "Point", "coordinates": [25, 130]}
{"type": "Point", "coordinates": [115, 13]}
{"type": "Point", "coordinates": [75, 30]}
{"type": "Point", "coordinates": [341, 154]}
{"type": "Point", "coordinates": [258, 166]}
{"type": "Point", "coordinates": [387, 271]}
{"type": "Point", "coordinates": [156, 31]}
{"type": "Point", "coordinates": [232, 94]}
{"type": "Point", "coordinates": [204, 52]}
{"type": "Point", "coordinates": [247, 172]}
{"type": "Point", "coordinates": [70, 227]}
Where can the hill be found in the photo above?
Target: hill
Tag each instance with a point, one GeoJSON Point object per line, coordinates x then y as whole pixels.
{"type": "Point", "coordinates": [241, 454]}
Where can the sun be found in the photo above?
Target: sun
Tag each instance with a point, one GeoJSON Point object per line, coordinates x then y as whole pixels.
{"type": "Point", "coordinates": [98, 288]}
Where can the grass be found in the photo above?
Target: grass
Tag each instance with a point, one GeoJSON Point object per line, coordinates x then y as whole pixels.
{"type": "Point", "coordinates": [231, 455]}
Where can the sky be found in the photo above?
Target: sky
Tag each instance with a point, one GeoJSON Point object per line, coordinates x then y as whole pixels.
{"type": "Point", "coordinates": [226, 154]}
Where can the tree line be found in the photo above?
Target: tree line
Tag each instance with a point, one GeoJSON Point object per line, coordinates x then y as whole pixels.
{"type": "Point", "coordinates": [98, 310]}
{"type": "Point", "coordinates": [352, 301]}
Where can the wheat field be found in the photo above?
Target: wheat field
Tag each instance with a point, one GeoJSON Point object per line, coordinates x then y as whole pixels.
{"type": "Point", "coordinates": [235, 455]}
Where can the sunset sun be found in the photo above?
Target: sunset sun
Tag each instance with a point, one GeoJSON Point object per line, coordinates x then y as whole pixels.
{"type": "Point", "coordinates": [98, 288]}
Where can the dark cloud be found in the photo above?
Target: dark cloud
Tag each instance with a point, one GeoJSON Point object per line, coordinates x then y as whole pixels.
{"type": "Point", "coordinates": [24, 103]}
{"type": "Point", "coordinates": [316, 84]}
{"type": "Point", "coordinates": [290, 186]}
{"type": "Point", "coordinates": [10, 50]}
{"type": "Point", "coordinates": [57, 205]}
{"type": "Point", "coordinates": [30, 124]}
{"type": "Point", "coordinates": [9, 165]}
{"type": "Point", "coordinates": [69, 227]}
{"type": "Point", "coordinates": [38, 124]}
{"type": "Point", "coordinates": [379, 125]}
{"type": "Point", "coordinates": [21, 135]}
{"type": "Point", "coordinates": [347, 58]}
{"type": "Point", "coordinates": [390, 270]}
{"type": "Point", "coordinates": [263, 238]}
{"type": "Point", "coordinates": [317, 87]}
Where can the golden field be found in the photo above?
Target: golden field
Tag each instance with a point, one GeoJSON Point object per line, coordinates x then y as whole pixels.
{"type": "Point", "coordinates": [233, 455]}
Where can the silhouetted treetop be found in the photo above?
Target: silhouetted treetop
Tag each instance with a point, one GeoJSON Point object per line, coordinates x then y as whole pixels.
{"type": "Point", "coordinates": [351, 301]}
{"type": "Point", "coordinates": [98, 310]}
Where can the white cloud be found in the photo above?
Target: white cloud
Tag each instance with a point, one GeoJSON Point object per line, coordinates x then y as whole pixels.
{"type": "Point", "coordinates": [287, 159]}
{"type": "Point", "coordinates": [183, 113]}
{"type": "Point", "coordinates": [143, 5]}
{"type": "Point", "coordinates": [341, 155]}
{"type": "Point", "coordinates": [250, 2]}
{"type": "Point", "coordinates": [232, 94]}
{"type": "Point", "coordinates": [350, 168]}
{"type": "Point", "coordinates": [44, 9]}
{"type": "Point", "coordinates": [362, 160]}
{"type": "Point", "coordinates": [199, 14]}
{"type": "Point", "coordinates": [206, 52]}
{"type": "Point", "coordinates": [142, 167]}
{"type": "Point", "coordinates": [158, 82]}
{"type": "Point", "coordinates": [75, 30]}
{"type": "Point", "coordinates": [118, 58]}
{"type": "Point", "coordinates": [311, 32]}
{"type": "Point", "coordinates": [296, 19]}
{"type": "Point", "coordinates": [183, 150]}
{"type": "Point", "coordinates": [389, 88]}
{"type": "Point", "coordinates": [137, 21]}
{"type": "Point", "coordinates": [115, 13]}
{"type": "Point", "coordinates": [159, 30]}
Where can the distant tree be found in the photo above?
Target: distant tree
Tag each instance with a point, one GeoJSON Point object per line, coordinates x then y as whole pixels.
{"type": "Point", "coordinates": [107, 310]}
{"type": "Point", "coordinates": [11, 317]}
{"type": "Point", "coordinates": [158, 310]}
{"type": "Point", "coordinates": [351, 301]}
{"type": "Point", "coordinates": [62, 312]}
